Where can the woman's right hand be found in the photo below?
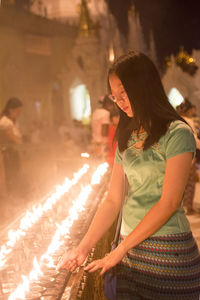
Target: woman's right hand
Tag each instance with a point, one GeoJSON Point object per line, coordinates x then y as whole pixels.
{"type": "Point", "coordinates": [72, 259]}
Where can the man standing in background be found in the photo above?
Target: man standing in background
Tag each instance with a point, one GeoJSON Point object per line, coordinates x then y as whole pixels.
{"type": "Point", "coordinates": [100, 125]}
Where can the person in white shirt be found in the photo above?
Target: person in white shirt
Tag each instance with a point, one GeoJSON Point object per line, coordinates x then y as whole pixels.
{"type": "Point", "coordinates": [10, 136]}
{"type": "Point", "coordinates": [100, 124]}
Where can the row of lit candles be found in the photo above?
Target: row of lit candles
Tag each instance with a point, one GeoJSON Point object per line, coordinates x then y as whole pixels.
{"type": "Point", "coordinates": [62, 232]}
{"type": "Point", "coordinates": [32, 216]}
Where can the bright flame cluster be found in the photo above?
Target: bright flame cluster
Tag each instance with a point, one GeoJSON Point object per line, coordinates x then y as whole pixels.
{"type": "Point", "coordinates": [23, 288]}
{"type": "Point", "coordinates": [86, 155]}
{"type": "Point", "coordinates": [31, 217]}
{"type": "Point", "coordinates": [63, 230]}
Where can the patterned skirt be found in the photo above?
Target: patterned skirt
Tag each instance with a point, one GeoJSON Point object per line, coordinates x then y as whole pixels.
{"type": "Point", "coordinates": [161, 268]}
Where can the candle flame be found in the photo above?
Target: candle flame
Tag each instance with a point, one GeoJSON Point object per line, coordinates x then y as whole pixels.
{"type": "Point", "coordinates": [111, 54]}
{"type": "Point", "coordinates": [101, 170]}
{"type": "Point", "coordinates": [86, 155]}
{"type": "Point", "coordinates": [36, 270]}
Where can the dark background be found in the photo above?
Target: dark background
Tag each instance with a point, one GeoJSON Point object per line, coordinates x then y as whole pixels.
{"type": "Point", "coordinates": [174, 23]}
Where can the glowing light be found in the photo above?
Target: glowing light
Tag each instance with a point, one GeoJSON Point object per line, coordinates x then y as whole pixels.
{"type": "Point", "coordinates": [31, 217]}
{"type": "Point", "coordinates": [111, 54]}
{"type": "Point", "coordinates": [101, 170]}
{"type": "Point", "coordinates": [63, 230]}
{"type": "Point", "coordinates": [86, 155]}
{"type": "Point", "coordinates": [21, 290]}
{"type": "Point", "coordinates": [34, 274]}
{"type": "Point", "coordinates": [80, 103]}
{"type": "Point", "coordinates": [24, 287]}
{"type": "Point", "coordinates": [175, 97]}
{"type": "Point", "coordinates": [191, 60]}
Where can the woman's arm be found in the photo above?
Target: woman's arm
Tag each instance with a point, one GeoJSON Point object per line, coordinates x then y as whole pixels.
{"type": "Point", "coordinates": [108, 211]}
{"type": "Point", "coordinates": [103, 219]}
{"type": "Point", "coordinates": [176, 175]}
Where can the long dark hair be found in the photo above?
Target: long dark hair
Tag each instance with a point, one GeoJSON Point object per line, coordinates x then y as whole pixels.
{"type": "Point", "coordinates": [12, 103]}
{"type": "Point", "coordinates": [152, 110]}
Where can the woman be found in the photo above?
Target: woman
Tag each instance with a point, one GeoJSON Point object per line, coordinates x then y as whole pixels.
{"type": "Point", "coordinates": [10, 136]}
{"type": "Point", "coordinates": [157, 257]}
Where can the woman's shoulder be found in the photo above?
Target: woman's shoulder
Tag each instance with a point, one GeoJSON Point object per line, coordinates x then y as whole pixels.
{"type": "Point", "coordinates": [178, 127]}
{"type": "Point", "coordinates": [179, 139]}
{"type": "Point", "coordinates": [177, 124]}
{"type": "Point", "coordinates": [5, 122]}
{"type": "Point", "coordinates": [174, 128]}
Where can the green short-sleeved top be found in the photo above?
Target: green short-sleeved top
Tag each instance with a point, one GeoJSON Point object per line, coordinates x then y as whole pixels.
{"type": "Point", "coordinates": [145, 172]}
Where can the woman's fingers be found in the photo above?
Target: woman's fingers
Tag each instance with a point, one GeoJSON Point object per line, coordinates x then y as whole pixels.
{"type": "Point", "coordinates": [104, 270]}
{"type": "Point", "coordinates": [66, 263]}
{"type": "Point", "coordinates": [71, 263]}
{"type": "Point", "coordinates": [71, 260]}
{"type": "Point", "coordinates": [90, 266]}
{"type": "Point", "coordinates": [106, 267]}
{"type": "Point", "coordinates": [93, 266]}
{"type": "Point", "coordinates": [98, 264]}
{"type": "Point", "coordinates": [72, 267]}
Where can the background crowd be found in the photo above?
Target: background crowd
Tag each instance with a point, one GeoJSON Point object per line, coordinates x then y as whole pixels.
{"type": "Point", "coordinates": [34, 161]}
{"type": "Point", "coordinates": [45, 151]}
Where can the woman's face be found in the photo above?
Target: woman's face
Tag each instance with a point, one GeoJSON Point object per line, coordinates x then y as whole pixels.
{"type": "Point", "coordinates": [119, 95]}
{"type": "Point", "coordinates": [14, 113]}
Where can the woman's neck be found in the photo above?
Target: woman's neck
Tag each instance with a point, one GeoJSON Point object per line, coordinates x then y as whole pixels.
{"type": "Point", "coordinates": [12, 119]}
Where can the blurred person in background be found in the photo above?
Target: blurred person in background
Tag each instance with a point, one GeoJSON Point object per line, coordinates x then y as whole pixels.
{"type": "Point", "coordinates": [78, 134]}
{"type": "Point", "coordinates": [3, 191]}
{"type": "Point", "coordinates": [114, 120]}
{"type": "Point", "coordinates": [196, 120]}
{"type": "Point", "coordinates": [35, 132]}
{"type": "Point", "coordinates": [63, 131]}
{"type": "Point", "coordinates": [100, 124]}
{"type": "Point", "coordinates": [10, 137]}
{"type": "Point", "coordinates": [186, 111]}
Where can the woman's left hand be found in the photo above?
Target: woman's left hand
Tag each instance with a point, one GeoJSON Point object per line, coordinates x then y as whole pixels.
{"type": "Point", "coordinates": [109, 261]}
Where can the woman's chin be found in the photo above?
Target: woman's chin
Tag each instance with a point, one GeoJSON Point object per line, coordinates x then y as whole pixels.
{"type": "Point", "coordinates": [130, 115]}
